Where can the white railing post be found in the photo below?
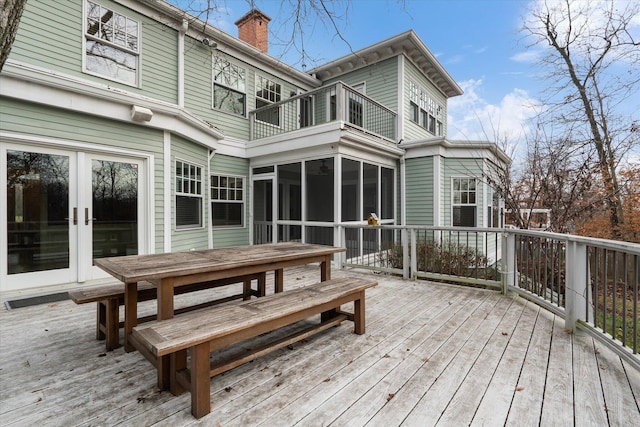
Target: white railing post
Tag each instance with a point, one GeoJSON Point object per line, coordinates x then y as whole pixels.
{"type": "Point", "coordinates": [252, 125]}
{"type": "Point", "coordinates": [342, 242]}
{"type": "Point", "coordinates": [577, 276]}
{"type": "Point", "coordinates": [406, 271]}
{"type": "Point", "coordinates": [340, 101]}
{"type": "Point", "coordinates": [509, 265]}
{"type": "Point", "coordinates": [414, 255]}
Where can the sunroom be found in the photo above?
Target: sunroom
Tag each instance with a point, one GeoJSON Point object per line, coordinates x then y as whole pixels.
{"type": "Point", "coordinates": [321, 158]}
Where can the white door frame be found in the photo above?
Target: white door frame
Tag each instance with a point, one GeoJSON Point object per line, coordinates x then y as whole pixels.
{"type": "Point", "coordinates": [80, 155]}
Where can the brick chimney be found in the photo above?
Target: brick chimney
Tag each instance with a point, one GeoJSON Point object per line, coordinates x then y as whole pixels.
{"type": "Point", "coordinates": [253, 28]}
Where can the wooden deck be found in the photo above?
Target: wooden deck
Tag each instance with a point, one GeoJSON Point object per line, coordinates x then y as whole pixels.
{"type": "Point", "coordinates": [432, 355]}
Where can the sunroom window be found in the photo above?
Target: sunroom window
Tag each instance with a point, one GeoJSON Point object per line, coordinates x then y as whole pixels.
{"type": "Point", "coordinates": [112, 47]}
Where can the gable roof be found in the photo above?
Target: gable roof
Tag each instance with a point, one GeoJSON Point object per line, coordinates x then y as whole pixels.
{"type": "Point", "coordinates": [407, 43]}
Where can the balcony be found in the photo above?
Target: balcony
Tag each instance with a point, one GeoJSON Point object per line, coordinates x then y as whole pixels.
{"type": "Point", "coordinates": [337, 103]}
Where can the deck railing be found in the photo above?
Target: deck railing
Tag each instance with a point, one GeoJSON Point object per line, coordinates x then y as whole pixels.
{"type": "Point", "coordinates": [337, 102]}
{"type": "Point", "coordinates": [591, 283]}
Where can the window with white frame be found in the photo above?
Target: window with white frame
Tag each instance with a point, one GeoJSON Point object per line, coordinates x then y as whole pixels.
{"type": "Point", "coordinates": [414, 102]}
{"type": "Point", "coordinates": [227, 201]}
{"type": "Point", "coordinates": [464, 202]}
{"type": "Point", "coordinates": [425, 110]}
{"type": "Point", "coordinates": [111, 44]}
{"type": "Point", "coordinates": [439, 120]}
{"type": "Point", "coordinates": [229, 86]}
{"type": "Point", "coordinates": [188, 195]}
{"type": "Point", "coordinates": [268, 92]}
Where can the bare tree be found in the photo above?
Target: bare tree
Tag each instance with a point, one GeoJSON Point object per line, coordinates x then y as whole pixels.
{"type": "Point", "coordinates": [592, 66]}
{"type": "Point", "coordinates": [10, 13]}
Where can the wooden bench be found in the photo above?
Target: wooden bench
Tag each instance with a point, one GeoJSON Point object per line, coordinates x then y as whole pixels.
{"type": "Point", "coordinates": [212, 329]}
{"type": "Point", "coordinates": [110, 297]}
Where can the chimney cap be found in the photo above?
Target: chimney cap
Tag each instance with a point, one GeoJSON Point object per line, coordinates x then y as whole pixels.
{"type": "Point", "coordinates": [253, 13]}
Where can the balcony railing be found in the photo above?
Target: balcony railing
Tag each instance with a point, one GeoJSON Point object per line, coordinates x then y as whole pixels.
{"type": "Point", "coordinates": [591, 283]}
{"type": "Point", "coordinates": [337, 102]}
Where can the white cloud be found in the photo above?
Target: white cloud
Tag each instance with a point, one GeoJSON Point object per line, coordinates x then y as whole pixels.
{"type": "Point", "coordinates": [471, 117]}
{"type": "Point", "coordinates": [529, 56]}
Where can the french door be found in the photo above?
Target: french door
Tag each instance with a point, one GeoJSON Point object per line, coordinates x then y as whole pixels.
{"type": "Point", "coordinates": [63, 210]}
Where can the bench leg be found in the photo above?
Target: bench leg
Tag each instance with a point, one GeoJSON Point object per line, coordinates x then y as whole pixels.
{"type": "Point", "coordinates": [200, 381]}
{"type": "Point", "coordinates": [358, 315]}
{"type": "Point", "coordinates": [262, 284]}
{"type": "Point", "coordinates": [112, 328]}
{"type": "Point", "coordinates": [178, 363]}
{"type": "Point", "coordinates": [101, 319]}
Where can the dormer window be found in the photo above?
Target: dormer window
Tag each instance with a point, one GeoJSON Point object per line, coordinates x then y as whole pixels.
{"type": "Point", "coordinates": [112, 44]}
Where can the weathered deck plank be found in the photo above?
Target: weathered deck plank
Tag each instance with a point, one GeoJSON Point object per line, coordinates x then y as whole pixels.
{"type": "Point", "coordinates": [557, 408]}
{"type": "Point", "coordinates": [495, 370]}
{"type": "Point", "coordinates": [448, 363]}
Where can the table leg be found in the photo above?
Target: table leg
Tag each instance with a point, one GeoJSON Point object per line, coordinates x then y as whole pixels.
{"type": "Point", "coordinates": [246, 289]}
{"type": "Point", "coordinates": [325, 269]}
{"type": "Point", "coordinates": [358, 315]}
{"type": "Point", "coordinates": [130, 312]}
{"type": "Point", "coordinates": [279, 280]}
{"type": "Point", "coordinates": [165, 311]}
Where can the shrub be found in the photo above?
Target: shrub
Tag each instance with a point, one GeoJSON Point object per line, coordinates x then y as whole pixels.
{"type": "Point", "coordinates": [449, 258]}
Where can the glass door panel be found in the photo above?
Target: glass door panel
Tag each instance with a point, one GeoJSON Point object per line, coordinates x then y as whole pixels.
{"type": "Point", "coordinates": [114, 208]}
{"type": "Point", "coordinates": [37, 212]}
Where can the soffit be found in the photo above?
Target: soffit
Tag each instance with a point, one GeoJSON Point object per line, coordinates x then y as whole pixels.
{"type": "Point", "coordinates": [408, 44]}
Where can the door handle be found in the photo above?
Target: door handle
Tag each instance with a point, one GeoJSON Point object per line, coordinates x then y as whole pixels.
{"type": "Point", "coordinates": [75, 216]}
{"type": "Point", "coordinates": [86, 216]}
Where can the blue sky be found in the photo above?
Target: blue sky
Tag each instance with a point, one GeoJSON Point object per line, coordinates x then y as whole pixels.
{"type": "Point", "coordinates": [477, 41]}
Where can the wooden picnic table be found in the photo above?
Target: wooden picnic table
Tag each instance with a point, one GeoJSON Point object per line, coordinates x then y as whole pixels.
{"type": "Point", "coordinates": [170, 270]}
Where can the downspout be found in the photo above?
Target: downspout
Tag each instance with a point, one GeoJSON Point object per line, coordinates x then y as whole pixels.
{"type": "Point", "coordinates": [403, 198]}
{"type": "Point", "coordinates": [181, 34]}
{"type": "Point", "coordinates": [208, 187]}
{"type": "Point", "coordinates": [166, 160]}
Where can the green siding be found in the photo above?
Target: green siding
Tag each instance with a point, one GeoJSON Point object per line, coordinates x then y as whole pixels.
{"type": "Point", "coordinates": [381, 81]}
{"type": "Point", "coordinates": [197, 238]}
{"type": "Point", "coordinates": [419, 191]}
{"type": "Point", "coordinates": [63, 23]}
{"type": "Point", "coordinates": [411, 129]}
{"type": "Point", "coordinates": [227, 165]}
